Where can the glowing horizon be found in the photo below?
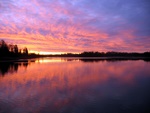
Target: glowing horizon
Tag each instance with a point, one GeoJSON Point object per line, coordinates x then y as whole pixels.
{"type": "Point", "coordinates": [48, 53]}
{"type": "Point", "coordinates": [63, 26]}
{"type": "Point", "coordinates": [44, 52]}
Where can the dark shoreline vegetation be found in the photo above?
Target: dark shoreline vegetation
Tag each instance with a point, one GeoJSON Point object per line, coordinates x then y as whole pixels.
{"type": "Point", "coordinates": [10, 52]}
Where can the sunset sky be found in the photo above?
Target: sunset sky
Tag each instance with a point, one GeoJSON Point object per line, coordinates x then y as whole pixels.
{"type": "Point", "coordinates": [76, 25]}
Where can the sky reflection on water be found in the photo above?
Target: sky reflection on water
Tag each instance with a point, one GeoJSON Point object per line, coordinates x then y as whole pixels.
{"type": "Point", "coordinates": [76, 87]}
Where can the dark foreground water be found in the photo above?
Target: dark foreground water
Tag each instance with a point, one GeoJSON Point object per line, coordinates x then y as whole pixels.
{"type": "Point", "coordinates": [55, 85]}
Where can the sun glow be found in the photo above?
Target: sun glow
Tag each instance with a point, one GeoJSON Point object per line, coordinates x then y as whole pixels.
{"type": "Point", "coordinates": [50, 53]}
{"type": "Point", "coordinates": [49, 60]}
{"type": "Point", "coordinates": [46, 53]}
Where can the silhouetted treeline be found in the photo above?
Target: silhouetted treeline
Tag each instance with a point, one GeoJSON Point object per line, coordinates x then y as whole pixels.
{"type": "Point", "coordinates": [114, 54]}
{"type": "Point", "coordinates": [103, 54]}
{"type": "Point", "coordinates": [10, 50]}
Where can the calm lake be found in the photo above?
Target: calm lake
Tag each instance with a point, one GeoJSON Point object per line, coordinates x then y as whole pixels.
{"type": "Point", "coordinates": [73, 85]}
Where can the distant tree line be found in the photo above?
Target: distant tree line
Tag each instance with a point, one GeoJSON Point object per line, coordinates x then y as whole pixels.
{"type": "Point", "coordinates": [11, 50]}
{"type": "Point", "coordinates": [107, 54]}
{"type": "Point", "coordinates": [114, 54]}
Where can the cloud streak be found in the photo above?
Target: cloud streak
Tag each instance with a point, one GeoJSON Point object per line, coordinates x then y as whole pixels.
{"type": "Point", "coordinates": [76, 26]}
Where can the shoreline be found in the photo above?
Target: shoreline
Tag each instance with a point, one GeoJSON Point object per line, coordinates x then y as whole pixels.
{"type": "Point", "coordinates": [31, 59]}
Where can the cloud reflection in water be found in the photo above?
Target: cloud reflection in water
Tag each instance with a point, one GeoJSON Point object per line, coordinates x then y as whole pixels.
{"type": "Point", "coordinates": [77, 87]}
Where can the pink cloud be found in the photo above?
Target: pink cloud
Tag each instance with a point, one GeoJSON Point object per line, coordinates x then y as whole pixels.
{"type": "Point", "coordinates": [65, 27]}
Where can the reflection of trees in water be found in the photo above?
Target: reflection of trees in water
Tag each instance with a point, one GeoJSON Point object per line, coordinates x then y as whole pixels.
{"type": "Point", "coordinates": [11, 67]}
{"type": "Point", "coordinates": [102, 59]}
{"type": "Point", "coordinates": [114, 59]}
{"type": "Point", "coordinates": [7, 67]}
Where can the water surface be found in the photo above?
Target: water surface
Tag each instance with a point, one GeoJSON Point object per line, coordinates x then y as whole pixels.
{"type": "Point", "coordinates": [62, 85]}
